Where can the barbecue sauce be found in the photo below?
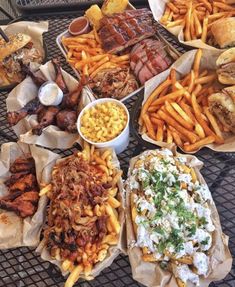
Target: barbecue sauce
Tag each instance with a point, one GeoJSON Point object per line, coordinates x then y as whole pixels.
{"type": "Point", "coordinates": [79, 26]}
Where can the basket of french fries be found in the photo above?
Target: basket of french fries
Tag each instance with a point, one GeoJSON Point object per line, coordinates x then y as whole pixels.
{"type": "Point", "coordinates": [203, 24]}
{"type": "Point", "coordinates": [179, 106]}
{"type": "Point", "coordinates": [174, 234]}
{"type": "Point", "coordinates": [85, 219]}
{"type": "Point", "coordinates": [114, 56]}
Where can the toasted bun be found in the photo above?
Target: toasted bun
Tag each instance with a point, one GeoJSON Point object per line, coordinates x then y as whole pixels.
{"type": "Point", "coordinates": [231, 92]}
{"type": "Point", "coordinates": [226, 79]}
{"type": "Point", "coordinates": [223, 107]}
{"type": "Point", "coordinates": [16, 42]}
{"type": "Point", "coordinates": [226, 57]}
{"type": "Point", "coordinates": [224, 32]}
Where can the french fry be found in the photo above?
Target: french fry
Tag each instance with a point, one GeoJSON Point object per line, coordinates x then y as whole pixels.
{"type": "Point", "coordinates": [199, 144]}
{"type": "Point", "coordinates": [45, 190]}
{"type": "Point", "coordinates": [170, 121]}
{"type": "Point", "coordinates": [159, 135]}
{"type": "Point", "coordinates": [113, 219]}
{"type": "Point", "coordinates": [171, 96]}
{"type": "Point", "coordinates": [74, 276]}
{"type": "Point", "coordinates": [178, 117]}
{"type": "Point", "coordinates": [169, 139]}
{"type": "Point", "coordinates": [187, 33]}
{"type": "Point", "coordinates": [176, 137]}
{"type": "Point", "coordinates": [213, 122]}
{"type": "Point", "coordinates": [204, 30]}
{"type": "Point", "coordinates": [149, 126]}
{"type": "Point", "coordinates": [182, 113]}
{"type": "Point", "coordinates": [197, 60]}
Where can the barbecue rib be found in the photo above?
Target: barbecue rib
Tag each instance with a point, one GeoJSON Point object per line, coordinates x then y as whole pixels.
{"type": "Point", "coordinates": [149, 58]}
{"type": "Point", "coordinates": [122, 30]}
{"type": "Point", "coordinates": [23, 188]}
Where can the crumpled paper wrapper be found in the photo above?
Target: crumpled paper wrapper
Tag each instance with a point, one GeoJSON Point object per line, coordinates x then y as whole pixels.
{"type": "Point", "coordinates": [151, 274]}
{"type": "Point", "coordinates": [183, 66]}
{"type": "Point", "coordinates": [15, 231]}
{"type": "Point", "coordinates": [158, 7]}
{"type": "Point", "coordinates": [33, 29]}
{"type": "Point", "coordinates": [113, 251]}
{"type": "Point", "coordinates": [52, 136]}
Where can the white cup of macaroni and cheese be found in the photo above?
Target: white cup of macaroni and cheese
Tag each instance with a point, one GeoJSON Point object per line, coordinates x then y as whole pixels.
{"type": "Point", "coordinates": [105, 123]}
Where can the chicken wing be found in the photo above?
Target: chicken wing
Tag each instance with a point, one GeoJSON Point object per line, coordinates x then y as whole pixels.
{"type": "Point", "coordinates": [25, 183]}
{"type": "Point", "coordinates": [23, 164]}
{"type": "Point", "coordinates": [24, 205]}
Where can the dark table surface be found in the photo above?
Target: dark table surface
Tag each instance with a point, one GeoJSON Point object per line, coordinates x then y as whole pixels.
{"type": "Point", "coordinates": [23, 267]}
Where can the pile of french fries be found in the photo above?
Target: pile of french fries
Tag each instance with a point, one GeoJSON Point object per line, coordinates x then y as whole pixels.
{"type": "Point", "coordinates": [196, 16]}
{"type": "Point", "coordinates": [91, 254]}
{"type": "Point", "coordinates": [177, 110]}
{"type": "Point", "coordinates": [86, 55]}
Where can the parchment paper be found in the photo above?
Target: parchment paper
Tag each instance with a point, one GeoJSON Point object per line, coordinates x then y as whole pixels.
{"type": "Point", "coordinates": [150, 274]}
{"type": "Point", "coordinates": [15, 231]}
{"type": "Point", "coordinates": [52, 136]}
{"type": "Point", "coordinates": [183, 66]}
{"type": "Point", "coordinates": [33, 29]}
{"type": "Point", "coordinates": [158, 7]}
{"type": "Point", "coordinates": [113, 251]}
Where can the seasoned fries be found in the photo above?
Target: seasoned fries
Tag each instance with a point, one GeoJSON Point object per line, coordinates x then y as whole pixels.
{"type": "Point", "coordinates": [196, 17]}
{"type": "Point", "coordinates": [85, 54]}
{"type": "Point", "coordinates": [84, 215]}
{"type": "Point", "coordinates": [182, 114]}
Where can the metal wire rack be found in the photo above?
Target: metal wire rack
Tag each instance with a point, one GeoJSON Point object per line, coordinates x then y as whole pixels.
{"type": "Point", "coordinates": [23, 267]}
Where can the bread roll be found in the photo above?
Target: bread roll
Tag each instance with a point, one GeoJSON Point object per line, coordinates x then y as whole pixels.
{"type": "Point", "coordinates": [224, 32]}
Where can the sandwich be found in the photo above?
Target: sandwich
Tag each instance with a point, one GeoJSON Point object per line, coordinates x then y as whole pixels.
{"type": "Point", "coordinates": [15, 53]}
{"type": "Point", "coordinates": [223, 32]}
{"type": "Point", "coordinates": [222, 105]}
{"type": "Point", "coordinates": [226, 67]}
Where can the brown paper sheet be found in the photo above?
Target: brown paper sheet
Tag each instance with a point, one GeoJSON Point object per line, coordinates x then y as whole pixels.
{"type": "Point", "coordinates": [15, 231]}
{"type": "Point", "coordinates": [33, 29]}
{"type": "Point", "coordinates": [52, 136]}
{"type": "Point", "coordinates": [158, 7]}
{"type": "Point", "coordinates": [183, 66]}
{"type": "Point", "coordinates": [150, 274]}
{"type": "Point", "coordinates": [113, 251]}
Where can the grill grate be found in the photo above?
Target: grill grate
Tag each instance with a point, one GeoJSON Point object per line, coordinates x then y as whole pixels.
{"type": "Point", "coordinates": [23, 267]}
{"type": "Point", "coordinates": [35, 5]}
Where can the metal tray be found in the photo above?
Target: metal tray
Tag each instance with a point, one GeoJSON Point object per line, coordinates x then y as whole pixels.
{"type": "Point", "coordinates": [64, 51]}
{"type": "Point", "coordinates": [23, 267]}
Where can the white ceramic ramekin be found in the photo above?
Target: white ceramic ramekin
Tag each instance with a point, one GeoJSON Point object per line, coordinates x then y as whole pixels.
{"type": "Point", "coordinates": [119, 143]}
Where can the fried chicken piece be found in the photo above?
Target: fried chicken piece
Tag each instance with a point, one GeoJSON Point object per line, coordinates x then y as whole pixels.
{"type": "Point", "coordinates": [59, 77]}
{"type": "Point", "coordinates": [16, 176]}
{"type": "Point", "coordinates": [11, 196]}
{"type": "Point", "coordinates": [25, 183]}
{"type": "Point", "coordinates": [32, 107]}
{"type": "Point", "coordinates": [46, 118]}
{"type": "Point", "coordinates": [23, 164]}
{"type": "Point", "coordinates": [66, 121]}
{"type": "Point", "coordinates": [24, 205]}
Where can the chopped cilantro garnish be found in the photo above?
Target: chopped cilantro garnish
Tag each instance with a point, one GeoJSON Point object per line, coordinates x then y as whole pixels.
{"type": "Point", "coordinates": [202, 221]}
{"type": "Point", "coordinates": [159, 230]}
{"type": "Point", "coordinates": [192, 230]}
{"type": "Point", "coordinates": [206, 241]}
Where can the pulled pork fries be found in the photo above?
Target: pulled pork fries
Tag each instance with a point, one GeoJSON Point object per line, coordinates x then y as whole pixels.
{"type": "Point", "coordinates": [82, 220]}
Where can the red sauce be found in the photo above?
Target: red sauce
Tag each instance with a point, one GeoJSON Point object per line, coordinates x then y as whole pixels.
{"type": "Point", "coordinates": [78, 25]}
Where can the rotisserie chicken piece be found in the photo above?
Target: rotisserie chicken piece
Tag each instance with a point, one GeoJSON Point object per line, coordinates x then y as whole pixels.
{"type": "Point", "coordinates": [66, 120]}
{"type": "Point", "coordinates": [31, 108]}
{"type": "Point", "coordinates": [59, 80]}
{"type": "Point", "coordinates": [46, 118]}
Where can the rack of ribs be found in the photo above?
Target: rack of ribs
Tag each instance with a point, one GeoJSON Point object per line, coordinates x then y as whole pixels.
{"type": "Point", "coordinates": [122, 30]}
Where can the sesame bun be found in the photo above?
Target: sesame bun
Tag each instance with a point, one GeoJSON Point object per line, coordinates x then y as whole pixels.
{"type": "Point", "coordinates": [16, 42]}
